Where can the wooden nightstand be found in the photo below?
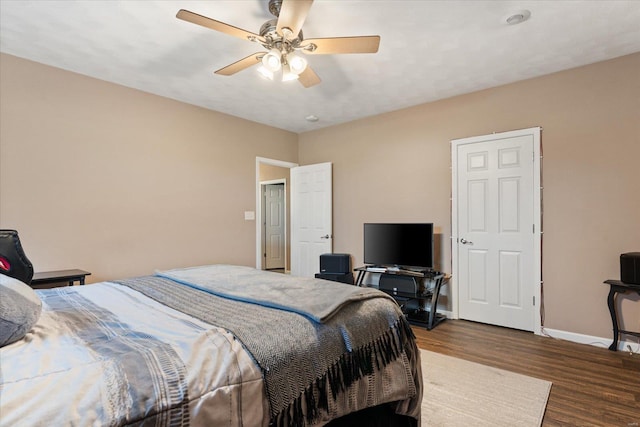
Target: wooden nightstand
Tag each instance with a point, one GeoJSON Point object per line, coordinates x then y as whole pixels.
{"type": "Point", "coordinates": [617, 286]}
{"type": "Point", "coordinates": [60, 276]}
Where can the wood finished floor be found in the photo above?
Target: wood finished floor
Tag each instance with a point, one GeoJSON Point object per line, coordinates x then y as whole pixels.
{"type": "Point", "coordinates": [592, 386]}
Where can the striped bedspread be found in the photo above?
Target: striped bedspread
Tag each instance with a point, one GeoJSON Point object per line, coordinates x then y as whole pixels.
{"type": "Point", "coordinates": [153, 351]}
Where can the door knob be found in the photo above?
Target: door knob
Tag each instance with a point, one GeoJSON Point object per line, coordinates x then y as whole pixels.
{"type": "Point", "coordinates": [326, 236]}
{"type": "Point", "coordinates": [465, 242]}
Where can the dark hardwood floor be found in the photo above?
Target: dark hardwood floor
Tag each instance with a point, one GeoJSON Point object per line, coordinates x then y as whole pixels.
{"type": "Point", "coordinates": [592, 386]}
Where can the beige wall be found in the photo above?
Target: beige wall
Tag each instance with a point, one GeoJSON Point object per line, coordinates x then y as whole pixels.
{"type": "Point", "coordinates": [395, 167]}
{"type": "Point", "coordinates": [120, 182]}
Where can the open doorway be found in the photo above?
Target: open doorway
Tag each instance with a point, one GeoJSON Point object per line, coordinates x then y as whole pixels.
{"type": "Point", "coordinates": [270, 172]}
{"type": "Point", "coordinates": [274, 225]}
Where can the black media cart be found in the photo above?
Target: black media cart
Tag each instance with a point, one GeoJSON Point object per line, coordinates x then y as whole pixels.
{"type": "Point", "coordinates": [426, 296]}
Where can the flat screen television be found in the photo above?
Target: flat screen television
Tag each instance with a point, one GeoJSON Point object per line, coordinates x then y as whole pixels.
{"type": "Point", "coordinates": [399, 245]}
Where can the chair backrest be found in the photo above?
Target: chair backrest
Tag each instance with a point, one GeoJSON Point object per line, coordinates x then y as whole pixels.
{"type": "Point", "coordinates": [13, 261]}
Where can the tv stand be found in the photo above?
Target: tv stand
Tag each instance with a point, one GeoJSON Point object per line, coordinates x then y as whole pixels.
{"type": "Point", "coordinates": [427, 297]}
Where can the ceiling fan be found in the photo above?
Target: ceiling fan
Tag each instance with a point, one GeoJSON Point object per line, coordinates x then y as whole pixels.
{"type": "Point", "coordinates": [282, 38]}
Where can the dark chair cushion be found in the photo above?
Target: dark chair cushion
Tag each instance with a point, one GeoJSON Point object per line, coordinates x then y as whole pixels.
{"type": "Point", "coordinates": [13, 261]}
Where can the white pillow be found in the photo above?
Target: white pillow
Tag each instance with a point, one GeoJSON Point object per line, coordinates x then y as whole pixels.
{"type": "Point", "coordinates": [20, 309]}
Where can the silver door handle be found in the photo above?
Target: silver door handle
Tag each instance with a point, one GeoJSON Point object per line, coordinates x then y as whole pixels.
{"type": "Point", "coordinates": [326, 236]}
{"type": "Point", "coordinates": [465, 242]}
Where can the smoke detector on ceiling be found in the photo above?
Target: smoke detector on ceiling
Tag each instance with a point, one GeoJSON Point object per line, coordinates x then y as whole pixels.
{"type": "Point", "coordinates": [518, 17]}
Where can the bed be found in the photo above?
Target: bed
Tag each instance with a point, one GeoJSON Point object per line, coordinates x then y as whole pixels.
{"type": "Point", "coordinates": [215, 345]}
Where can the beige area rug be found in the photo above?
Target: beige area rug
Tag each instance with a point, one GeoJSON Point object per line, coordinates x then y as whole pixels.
{"type": "Point", "coordinates": [462, 393]}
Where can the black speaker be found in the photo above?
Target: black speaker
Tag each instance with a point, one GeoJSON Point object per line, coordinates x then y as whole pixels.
{"type": "Point", "coordinates": [336, 277]}
{"type": "Point", "coordinates": [335, 263]}
{"type": "Point", "coordinates": [630, 268]}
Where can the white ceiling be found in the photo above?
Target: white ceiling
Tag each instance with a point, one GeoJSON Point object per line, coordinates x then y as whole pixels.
{"type": "Point", "coordinates": [429, 50]}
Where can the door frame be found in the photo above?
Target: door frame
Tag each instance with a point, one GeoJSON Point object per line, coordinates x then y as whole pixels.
{"type": "Point", "coordinates": [537, 216]}
{"type": "Point", "coordinates": [259, 219]}
{"type": "Point", "coordinates": [263, 242]}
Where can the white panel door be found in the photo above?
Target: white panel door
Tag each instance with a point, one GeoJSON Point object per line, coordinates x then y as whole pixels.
{"type": "Point", "coordinates": [495, 218]}
{"type": "Point", "coordinates": [274, 226]}
{"type": "Point", "coordinates": [311, 217]}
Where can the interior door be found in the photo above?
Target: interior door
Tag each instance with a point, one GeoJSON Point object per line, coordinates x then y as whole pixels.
{"type": "Point", "coordinates": [496, 228]}
{"type": "Point", "coordinates": [274, 226]}
{"type": "Point", "coordinates": [311, 217]}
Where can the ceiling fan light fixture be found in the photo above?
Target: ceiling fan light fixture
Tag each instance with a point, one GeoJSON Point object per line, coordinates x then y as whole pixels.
{"type": "Point", "coordinates": [297, 64]}
{"type": "Point", "coordinates": [287, 74]}
{"type": "Point", "coordinates": [272, 60]}
{"type": "Point", "coordinates": [265, 73]}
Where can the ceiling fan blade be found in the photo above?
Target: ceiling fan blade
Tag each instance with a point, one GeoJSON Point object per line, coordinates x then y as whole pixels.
{"type": "Point", "coordinates": [194, 18]}
{"type": "Point", "coordinates": [240, 65]}
{"type": "Point", "coordinates": [308, 78]}
{"type": "Point", "coordinates": [292, 15]}
{"type": "Point", "coordinates": [361, 44]}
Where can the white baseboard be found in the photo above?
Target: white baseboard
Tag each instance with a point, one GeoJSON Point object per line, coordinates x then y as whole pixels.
{"type": "Point", "coordinates": [446, 313]}
{"type": "Point", "coordinates": [590, 339]}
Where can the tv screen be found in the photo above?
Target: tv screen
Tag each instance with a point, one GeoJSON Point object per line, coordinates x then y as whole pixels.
{"type": "Point", "coordinates": [401, 245]}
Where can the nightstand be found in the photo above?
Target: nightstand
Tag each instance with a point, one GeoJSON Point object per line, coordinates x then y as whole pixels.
{"type": "Point", "coordinates": [60, 276]}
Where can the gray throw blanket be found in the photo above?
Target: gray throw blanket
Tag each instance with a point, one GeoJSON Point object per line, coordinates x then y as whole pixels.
{"type": "Point", "coordinates": [306, 364]}
{"type": "Point", "coordinates": [300, 295]}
